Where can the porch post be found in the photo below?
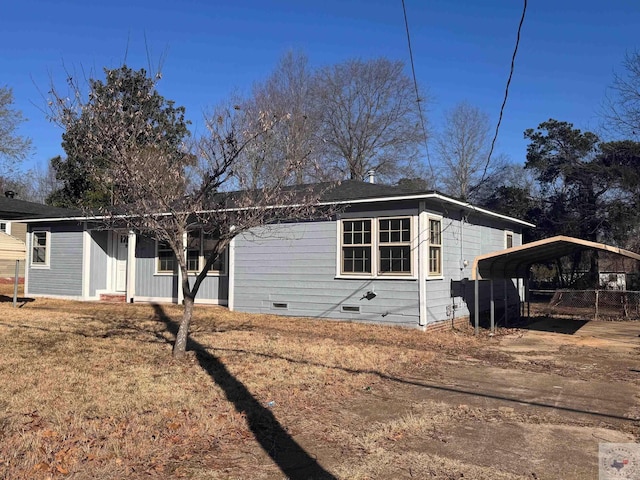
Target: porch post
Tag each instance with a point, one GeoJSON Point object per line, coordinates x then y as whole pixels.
{"type": "Point", "coordinates": [184, 254]}
{"type": "Point", "coordinates": [15, 284]}
{"type": "Point", "coordinates": [493, 306]}
{"type": "Point", "coordinates": [131, 266]}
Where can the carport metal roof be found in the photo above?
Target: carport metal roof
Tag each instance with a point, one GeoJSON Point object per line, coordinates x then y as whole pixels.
{"type": "Point", "coordinates": [515, 262]}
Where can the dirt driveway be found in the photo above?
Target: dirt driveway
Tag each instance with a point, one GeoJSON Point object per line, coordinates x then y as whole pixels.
{"type": "Point", "coordinates": [532, 403]}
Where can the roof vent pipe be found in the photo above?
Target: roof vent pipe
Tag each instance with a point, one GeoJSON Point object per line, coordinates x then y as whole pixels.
{"type": "Point", "coordinates": [371, 176]}
{"type": "Point", "coordinates": [9, 194]}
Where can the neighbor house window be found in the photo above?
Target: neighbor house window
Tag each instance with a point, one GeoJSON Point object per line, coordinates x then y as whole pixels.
{"type": "Point", "coordinates": [193, 251]}
{"type": "Point", "coordinates": [166, 259]}
{"type": "Point", "coordinates": [394, 245]}
{"type": "Point", "coordinates": [209, 242]}
{"type": "Point", "coordinates": [3, 227]}
{"type": "Point", "coordinates": [40, 249]}
{"type": "Point", "coordinates": [435, 247]}
{"type": "Point", "coordinates": [508, 239]}
{"type": "Point", "coordinates": [356, 246]}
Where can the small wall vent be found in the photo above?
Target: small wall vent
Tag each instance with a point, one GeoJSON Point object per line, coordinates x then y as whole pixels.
{"type": "Point", "coordinates": [351, 308]}
{"type": "Point", "coordinates": [280, 305]}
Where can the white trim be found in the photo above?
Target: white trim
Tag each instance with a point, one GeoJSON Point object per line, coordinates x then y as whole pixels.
{"type": "Point", "coordinates": [204, 301]}
{"type": "Point", "coordinates": [423, 268]}
{"type": "Point", "coordinates": [131, 266]}
{"type": "Point", "coordinates": [420, 196]}
{"type": "Point", "coordinates": [47, 253]}
{"type": "Point", "coordinates": [27, 262]}
{"type": "Point", "coordinates": [86, 260]}
{"type": "Point", "coordinates": [439, 218]}
{"type": "Point", "coordinates": [110, 267]}
{"type": "Point", "coordinates": [78, 298]}
{"type": "Point", "coordinates": [231, 273]}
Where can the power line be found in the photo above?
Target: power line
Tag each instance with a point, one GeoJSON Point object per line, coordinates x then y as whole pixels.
{"type": "Point", "coordinates": [506, 93]}
{"type": "Point", "coordinates": [415, 84]}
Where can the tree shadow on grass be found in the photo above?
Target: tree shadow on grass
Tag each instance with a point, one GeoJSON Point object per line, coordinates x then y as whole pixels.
{"type": "Point", "coordinates": [291, 458]}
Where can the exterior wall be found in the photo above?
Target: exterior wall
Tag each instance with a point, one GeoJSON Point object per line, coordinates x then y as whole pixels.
{"type": "Point", "coordinates": [296, 265]}
{"type": "Point", "coordinates": [150, 285]}
{"type": "Point", "coordinates": [291, 270]}
{"type": "Point", "coordinates": [63, 276]}
{"type": "Point", "coordinates": [98, 262]}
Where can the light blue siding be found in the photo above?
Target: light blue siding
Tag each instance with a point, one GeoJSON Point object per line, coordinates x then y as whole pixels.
{"type": "Point", "coordinates": [149, 284]}
{"type": "Point", "coordinates": [99, 259]}
{"type": "Point", "coordinates": [296, 265]}
{"type": "Point", "coordinates": [64, 274]}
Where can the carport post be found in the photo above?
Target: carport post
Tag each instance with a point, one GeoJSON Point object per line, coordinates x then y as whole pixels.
{"type": "Point", "coordinates": [493, 307]}
{"type": "Point", "coordinates": [15, 284]}
{"type": "Point", "coordinates": [506, 304]}
{"type": "Point", "coordinates": [476, 301]}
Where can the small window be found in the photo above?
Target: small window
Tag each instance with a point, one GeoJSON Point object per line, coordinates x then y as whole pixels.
{"type": "Point", "coordinates": [167, 262]}
{"type": "Point", "coordinates": [394, 245]}
{"type": "Point", "coordinates": [356, 246]}
{"type": "Point", "coordinates": [435, 247]}
{"type": "Point", "coordinates": [508, 239]}
{"type": "Point", "coordinates": [40, 249]}
{"type": "Point", "coordinates": [193, 251]}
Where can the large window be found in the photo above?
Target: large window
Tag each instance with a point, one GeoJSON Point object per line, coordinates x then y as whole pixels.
{"type": "Point", "coordinates": [394, 245]}
{"type": "Point", "coordinates": [40, 249]}
{"type": "Point", "coordinates": [199, 246]}
{"type": "Point", "coordinates": [435, 247]}
{"type": "Point", "coordinates": [376, 247]}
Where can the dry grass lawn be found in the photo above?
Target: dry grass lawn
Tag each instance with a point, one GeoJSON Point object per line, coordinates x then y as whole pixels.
{"type": "Point", "coordinates": [90, 390]}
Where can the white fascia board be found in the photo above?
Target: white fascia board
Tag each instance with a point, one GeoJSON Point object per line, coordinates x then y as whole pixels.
{"type": "Point", "coordinates": [423, 196]}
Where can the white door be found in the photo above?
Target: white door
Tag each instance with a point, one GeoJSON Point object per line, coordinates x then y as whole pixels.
{"type": "Point", "coordinates": [121, 261]}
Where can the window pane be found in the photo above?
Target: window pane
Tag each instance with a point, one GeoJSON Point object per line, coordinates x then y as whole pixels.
{"type": "Point", "coordinates": [395, 259]}
{"type": "Point", "coordinates": [434, 260]}
{"type": "Point", "coordinates": [434, 232]}
{"type": "Point", "coordinates": [509, 240]}
{"type": "Point", "coordinates": [209, 244]}
{"type": "Point", "coordinates": [356, 259]}
{"type": "Point", "coordinates": [193, 251]}
{"type": "Point", "coordinates": [166, 259]}
{"type": "Point", "coordinates": [39, 250]}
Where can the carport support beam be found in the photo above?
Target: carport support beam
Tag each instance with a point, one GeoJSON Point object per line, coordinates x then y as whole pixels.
{"type": "Point", "coordinates": [506, 303]}
{"type": "Point", "coordinates": [476, 301]}
{"type": "Point", "coordinates": [493, 307]}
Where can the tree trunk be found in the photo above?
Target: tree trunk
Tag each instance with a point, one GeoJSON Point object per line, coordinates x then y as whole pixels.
{"type": "Point", "coordinates": [180, 347]}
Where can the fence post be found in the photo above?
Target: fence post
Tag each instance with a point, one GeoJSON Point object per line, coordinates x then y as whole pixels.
{"type": "Point", "coordinates": [597, 296]}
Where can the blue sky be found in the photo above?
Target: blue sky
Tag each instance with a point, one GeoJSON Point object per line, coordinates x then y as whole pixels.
{"type": "Point", "coordinates": [462, 50]}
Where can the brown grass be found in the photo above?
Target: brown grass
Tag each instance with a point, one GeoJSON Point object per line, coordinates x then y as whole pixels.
{"type": "Point", "coordinates": [89, 390]}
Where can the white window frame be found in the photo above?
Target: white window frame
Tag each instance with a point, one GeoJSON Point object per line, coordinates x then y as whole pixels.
{"type": "Point", "coordinates": [201, 262]}
{"type": "Point", "coordinates": [508, 233]}
{"type": "Point", "coordinates": [47, 246]}
{"type": "Point", "coordinates": [434, 275]}
{"type": "Point", "coordinates": [401, 243]}
{"type": "Point", "coordinates": [375, 249]}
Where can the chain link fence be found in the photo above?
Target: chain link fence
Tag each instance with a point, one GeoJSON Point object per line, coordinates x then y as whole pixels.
{"type": "Point", "coordinates": [610, 305]}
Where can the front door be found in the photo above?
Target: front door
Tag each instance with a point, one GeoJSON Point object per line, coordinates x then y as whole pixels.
{"type": "Point", "coordinates": [121, 261]}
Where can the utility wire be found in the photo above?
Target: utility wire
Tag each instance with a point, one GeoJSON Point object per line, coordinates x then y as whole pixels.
{"type": "Point", "coordinates": [415, 84]}
{"type": "Point", "coordinates": [506, 94]}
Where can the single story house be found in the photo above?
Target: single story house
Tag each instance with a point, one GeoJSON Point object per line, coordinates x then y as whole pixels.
{"type": "Point", "coordinates": [390, 256]}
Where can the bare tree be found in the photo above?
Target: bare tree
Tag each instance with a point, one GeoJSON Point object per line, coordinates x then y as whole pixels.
{"type": "Point", "coordinates": [462, 148]}
{"type": "Point", "coordinates": [287, 92]}
{"type": "Point", "coordinates": [163, 195]}
{"type": "Point", "coordinates": [370, 119]}
{"type": "Point", "coordinates": [622, 107]}
{"type": "Point", "coordinates": [13, 147]}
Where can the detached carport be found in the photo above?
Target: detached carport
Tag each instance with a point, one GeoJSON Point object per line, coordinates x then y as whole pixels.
{"type": "Point", "coordinates": [515, 263]}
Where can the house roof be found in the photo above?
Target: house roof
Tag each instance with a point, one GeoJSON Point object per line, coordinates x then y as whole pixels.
{"type": "Point", "coordinates": [347, 192]}
{"type": "Point", "coordinates": [515, 262]}
{"type": "Point", "coordinates": [14, 209]}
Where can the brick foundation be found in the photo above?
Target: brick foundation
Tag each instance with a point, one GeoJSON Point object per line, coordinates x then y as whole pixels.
{"type": "Point", "coordinates": [115, 298]}
{"type": "Point", "coordinates": [459, 323]}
